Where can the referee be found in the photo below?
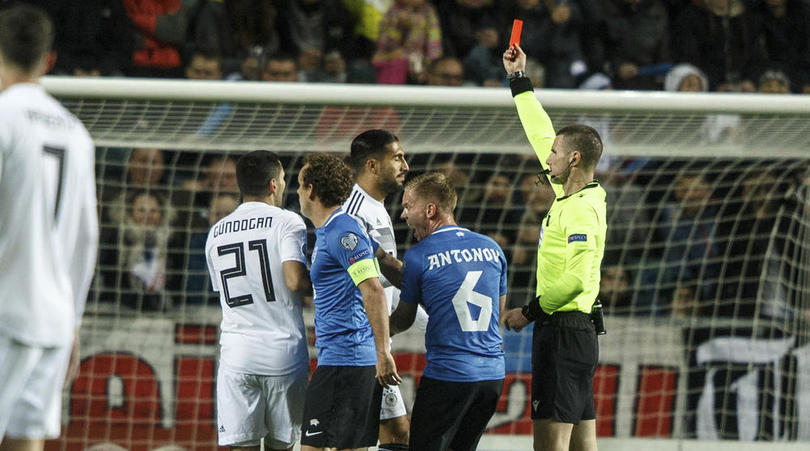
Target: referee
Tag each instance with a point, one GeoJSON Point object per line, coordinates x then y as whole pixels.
{"type": "Point", "coordinates": [564, 346]}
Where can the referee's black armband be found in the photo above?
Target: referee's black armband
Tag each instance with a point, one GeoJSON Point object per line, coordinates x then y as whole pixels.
{"type": "Point", "coordinates": [533, 312]}
{"type": "Point", "coordinates": [520, 85]}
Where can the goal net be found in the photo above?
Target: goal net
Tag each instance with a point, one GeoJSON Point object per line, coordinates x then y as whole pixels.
{"type": "Point", "coordinates": [705, 281]}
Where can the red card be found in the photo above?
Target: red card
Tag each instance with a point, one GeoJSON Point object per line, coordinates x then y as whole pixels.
{"type": "Point", "coordinates": [517, 27]}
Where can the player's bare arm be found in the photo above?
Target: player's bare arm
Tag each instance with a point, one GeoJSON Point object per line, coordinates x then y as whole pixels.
{"type": "Point", "coordinates": [296, 277]}
{"type": "Point", "coordinates": [403, 317]}
{"type": "Point", "coordinates": [376, 309]}
{"type": "Point", "coordinates": [390, 266]}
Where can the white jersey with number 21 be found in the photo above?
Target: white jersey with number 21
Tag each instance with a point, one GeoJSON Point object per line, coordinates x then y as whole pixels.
{"type": "Point", "coordinates": [262, 324]}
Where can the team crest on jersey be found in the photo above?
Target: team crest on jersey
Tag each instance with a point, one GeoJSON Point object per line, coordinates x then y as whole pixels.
{"type": "Point", "coordinates": [314, 254]}
{"type": "Point", "coordinates": [390, 399]}
{"type": "Point", "coordinates": [349, 241]}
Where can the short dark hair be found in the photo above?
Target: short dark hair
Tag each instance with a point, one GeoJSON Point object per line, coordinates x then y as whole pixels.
{"type": "Point", "coordinates": [370, 143]}
{"type": "Point", "coordinates": [434, 187]}
{"type": "Point", "coordinates": [330, 177]}
{"type": "Point", "coordinates": [254, 171]}
{"type": "Point", "coordinates": [584, 139]}
{"type": "Point", "coordinates": [26, 35]}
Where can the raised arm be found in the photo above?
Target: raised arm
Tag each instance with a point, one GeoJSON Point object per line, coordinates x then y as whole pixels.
{"type": "Point", "coordinates": [536, 122]}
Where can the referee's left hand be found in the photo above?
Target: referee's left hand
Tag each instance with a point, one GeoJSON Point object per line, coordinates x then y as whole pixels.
{"type": "Point", "coordinates": [387, 370]}
{"type": "Point", "coordinates": [514, 320]}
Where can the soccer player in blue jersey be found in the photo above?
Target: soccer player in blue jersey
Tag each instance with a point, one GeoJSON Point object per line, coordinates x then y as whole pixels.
{"type": "Point", "coordinates": [459, 277]}
{"type": "Point", "coordinates": [342, 407]}
{"type": "Point", "coordinates": [565, 350]}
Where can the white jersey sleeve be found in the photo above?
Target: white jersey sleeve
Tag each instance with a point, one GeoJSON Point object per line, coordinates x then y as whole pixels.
{"type": "Point", "coordinates": [262, 323]}
{"type": "Point", "coordinates": [49, 223]}
{"type": "Point", "coordinates": [293, 246]}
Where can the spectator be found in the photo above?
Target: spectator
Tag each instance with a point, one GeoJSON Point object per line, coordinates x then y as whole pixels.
{"type": "Point", "coordinates": [785, 29]}
{"type": "Point", "coordinates": [280, 67]}
{"type": "Point", "coordinates": [145, 171]}
{"type": "Point", "coordinates": [462, 20]}
{"type": "Point", "coordinates": [254, 28]}
{"type": "Point", "coordinates": [636, 40]}
{"type": "Point", "coordinates": [614, 289]}
{"type": "Point", "coordinates": [687, 237]}
{"type": "Point", "coordinates": [204, 66]}
{"type": "Point", "coordinates": [627, 211]}
{"type": "Point", "coordinates": [315, 27]}
{"type": "Point", "coordinates": [686, 78]}
{"type": "Point", "coordinates": [483, 62]}
{"type": "Point", "coordinates": [536, 73]}
{"type": "Point", "coordinates": [410, 40]}
{"type": "Point", "coordinates": [445, 71]}
{"type": "Point", "coordinates": [334, 68]}
{"type": "Point", "coordinates": [209, 29]}
{"type": "Point", "coordinates": [720, 37]}
{"type": "Point", "coordinates": [774, 82]}
{"type": "Point", "coordinates": [717, 128]}
{"type": "Point", "coordinates": [160, 34]}
{"type": "Point", "coordinates": [194, 198]}
{"type": "Point", "coordinates": [134, 256]}
{"type": "Point", "coordinates": [746, 224]}
{"type": "Point", "coordinates": [367, 16]}
{"type": "Point", "coordinates": [551, 33]}
{"type": "Point", "coordinates": [93, 37]}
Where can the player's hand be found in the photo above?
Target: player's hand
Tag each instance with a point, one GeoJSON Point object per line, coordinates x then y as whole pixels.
{"type": "Point", "coordinates": [75, 361]}
{"type": "Point", "coordinates": [387, 370]}
{"type": "Point", "coordinates": [514, 59]}
{"type": "Point", "coordinates": [514, 320]}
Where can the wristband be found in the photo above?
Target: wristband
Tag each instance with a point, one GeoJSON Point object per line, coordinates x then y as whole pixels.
{"type": "Point", "coordinates": [516, 74]}
{"type": "Point", "coordinates": [520, 83]}
{"type": "Point", "coordinates": [532, 311]}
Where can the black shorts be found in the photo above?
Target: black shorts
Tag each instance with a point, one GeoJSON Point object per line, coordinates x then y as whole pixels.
{"type": "Point", "coordinates": [565, 353]}
{"type": "Point", "coordinates": [452, 415]}
{"type": "Point", "coordinates": [342, 408]}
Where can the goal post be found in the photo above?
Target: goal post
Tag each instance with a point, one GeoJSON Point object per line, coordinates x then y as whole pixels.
{"type": "Point", "coordinates": [706, 277]}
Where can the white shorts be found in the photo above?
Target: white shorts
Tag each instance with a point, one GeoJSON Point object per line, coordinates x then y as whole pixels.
{"type": "Point", "coordinates": [251, 407]}
{"type": "Point", "coordinates": [393, 406]}
{"type": "Point", "coordinates": [31, 380]}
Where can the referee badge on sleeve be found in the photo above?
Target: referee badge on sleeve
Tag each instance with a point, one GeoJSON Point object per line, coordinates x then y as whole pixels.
{"type": "Point", "coordinates": [577, 237]}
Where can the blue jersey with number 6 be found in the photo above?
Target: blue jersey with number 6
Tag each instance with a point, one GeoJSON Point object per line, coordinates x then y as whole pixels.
{"type": "Point", "coordinates": [459, 277]}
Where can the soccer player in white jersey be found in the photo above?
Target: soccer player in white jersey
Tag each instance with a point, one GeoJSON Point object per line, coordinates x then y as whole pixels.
{"type": "Point", "coordinates": [257, 261]}
{"type": "Point", "coordinates": [48, 234]}
{"type": "Point", "coordinates": [378, 161]}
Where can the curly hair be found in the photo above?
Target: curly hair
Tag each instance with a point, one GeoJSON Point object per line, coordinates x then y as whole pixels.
{"type": "Point", "coordinates": [330, 177]}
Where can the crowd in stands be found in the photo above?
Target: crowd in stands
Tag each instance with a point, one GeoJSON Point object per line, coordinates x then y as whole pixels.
{"type": "Point", "coordinates": [698, 241]}
{"type": "Point", "coordinates": [688, 45]}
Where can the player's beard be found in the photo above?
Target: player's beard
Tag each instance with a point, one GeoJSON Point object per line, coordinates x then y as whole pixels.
{"type": "Point", "coordinates": [390, 184]}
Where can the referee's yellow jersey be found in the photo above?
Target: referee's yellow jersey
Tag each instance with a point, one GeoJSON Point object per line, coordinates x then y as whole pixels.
{"type": "Point", "coordinates": [572, 236]}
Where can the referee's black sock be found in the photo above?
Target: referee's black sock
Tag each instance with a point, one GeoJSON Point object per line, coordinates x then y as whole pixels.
{"type": "Point", "coordinates": [393, 447]}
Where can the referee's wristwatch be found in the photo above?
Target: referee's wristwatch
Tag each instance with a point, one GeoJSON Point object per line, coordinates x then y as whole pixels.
{"type": "Point", "coordinates": [516, 74]}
